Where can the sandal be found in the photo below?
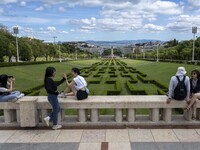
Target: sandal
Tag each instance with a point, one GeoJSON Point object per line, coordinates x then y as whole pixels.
{"type": "Point", "coordinates": [187, 109]}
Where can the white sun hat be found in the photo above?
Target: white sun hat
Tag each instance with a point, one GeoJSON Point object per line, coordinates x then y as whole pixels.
{"type": "Point", "coordinates": [181, 71]}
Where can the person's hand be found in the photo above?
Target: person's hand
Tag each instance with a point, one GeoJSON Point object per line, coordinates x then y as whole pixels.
{"type": "Point", "coordinates": [65, 76]}
{"type": "Point", "coordinates": [168, 100]}
{"type": "Point", "coordinates": [188, 101]}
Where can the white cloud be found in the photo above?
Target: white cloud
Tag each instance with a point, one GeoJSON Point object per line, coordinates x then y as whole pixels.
{"type": "Point", "coordinates": [3, 2]}
{"type": "Point", "coordinates": [152, 27]}
{"type": "Point", "coordinates": [64, 32]}
{"type": "Point", "coordinates": [1, 10]}
{"type": "Point", "coordinates": [22, 3]}
{"type": "Point", "coordinates": [194, 3]}
{"type": "Point", "coordinates": [61, 9]}
{"type": "Point", "coordinates": [41, 8]}
{"type": "Point", "coordinates": [183, 23]}
{"type": "Point", "coordinates": [51, 29]}
{"type": "Point", "coordinates": [30, 20]}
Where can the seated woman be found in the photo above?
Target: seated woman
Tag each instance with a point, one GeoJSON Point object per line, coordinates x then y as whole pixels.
{"type": "Point", "coordinates": [78, 85]}
{"type": "Point", "coordinates": [6, 93]}
{"type": "Point", "coordinates": [194, 92]}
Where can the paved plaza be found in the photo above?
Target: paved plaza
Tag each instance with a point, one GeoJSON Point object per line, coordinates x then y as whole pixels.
{"type": "Point", "coordinates": [101, 139]}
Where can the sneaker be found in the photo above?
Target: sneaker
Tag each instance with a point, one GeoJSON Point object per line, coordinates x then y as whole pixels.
{"type": "Point", "coordinates": [20, 96]}
{"type": "Point", "coordinates": [62, 95]}
{"type": "Point", "coordinates": [46, 120]}
{"type": "Point", "coordinates": [55, 127]}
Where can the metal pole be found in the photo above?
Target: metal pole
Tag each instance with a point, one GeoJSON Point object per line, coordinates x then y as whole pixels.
{"type": "Point", "coordinates": [193, 47]}
{"type": "Point", "coordinates": [60, 53]}
{"type": "Point", "coordinates": [194, 31]}
{"type": "Point", "coordinates": [17, 49]}
{"type": "Point", "coordinates": [157, 54]}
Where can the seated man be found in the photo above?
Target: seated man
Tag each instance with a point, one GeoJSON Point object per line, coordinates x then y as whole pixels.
{"type": "Point", "coordinates": [179, 86]}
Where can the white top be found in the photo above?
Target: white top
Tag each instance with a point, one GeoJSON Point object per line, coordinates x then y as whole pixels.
{"type": "Point", "coordinates": [80, 82]}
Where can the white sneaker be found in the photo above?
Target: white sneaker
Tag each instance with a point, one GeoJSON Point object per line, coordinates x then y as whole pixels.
{"type": "Point", "coordinates": [46, 120]}
{"type": "Point", "coordinates": [20, 96]}
{"type": "Point", "coordinates": [55, 127]}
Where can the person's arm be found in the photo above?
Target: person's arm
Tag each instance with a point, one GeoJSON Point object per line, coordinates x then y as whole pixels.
{"type": "Point", "coordinates": [170, 90]}
{"type": "Point", "coordinates": [11, 85]}
{"type": "Point", "coordinates": [49, 86]}
{"type": "Point", "coordinates": [188, 88]}
{"type": "Point", "coordinates": [197, 88]}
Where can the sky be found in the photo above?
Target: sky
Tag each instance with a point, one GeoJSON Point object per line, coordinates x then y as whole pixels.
{"type": "Point", "coordinates": [102, 20]}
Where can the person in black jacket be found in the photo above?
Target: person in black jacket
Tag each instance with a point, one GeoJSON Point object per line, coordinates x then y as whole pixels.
{"type": "Point", "coordinates": [194, 92]}
{"type": "Point", "coordinates": [51, 88]}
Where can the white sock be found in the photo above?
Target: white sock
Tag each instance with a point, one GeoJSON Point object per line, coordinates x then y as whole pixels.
{"type": "Point", "coordinates": [48, 117]}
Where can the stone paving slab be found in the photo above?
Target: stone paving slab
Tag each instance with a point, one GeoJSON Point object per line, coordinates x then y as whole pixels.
{"type": "Point", "coordinates": [144, 146]}
{"type": "Point", "coordinates": [166, 135]}
{"type": "Point", "coordinates": [5, 134]}
{"type": "Point", "coordinates": [39, 146]}
{"type": "Point", "coordinates": [187, 135]}
{"type": "Point", "coordinates": [45, 136]}
{"type": "Point", "coordinates": [69, 136]}
{"type": "Point", "coordinates": [93, 136]}
{"type": "Point", "coordinates": [140, 135]}
{"type": "Point", "coordinates": [90, 146]}
{"type": "Point", "coordinates": [21, 136]}
{"type": "Point", "coordinates": [119, 146]}
{"type": "Point", "coordinates": [119, 135]}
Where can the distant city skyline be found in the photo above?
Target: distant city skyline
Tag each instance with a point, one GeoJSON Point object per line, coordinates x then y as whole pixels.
{"type": "Point", "coordinates": [102, 20]}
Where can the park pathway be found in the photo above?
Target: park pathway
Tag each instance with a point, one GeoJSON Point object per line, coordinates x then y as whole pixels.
{"type": "Point", "coordinates": [101, 139]}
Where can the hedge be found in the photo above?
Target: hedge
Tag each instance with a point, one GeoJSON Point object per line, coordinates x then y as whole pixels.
{"type": "Point", "coordinates": [8, 64]}
{"type": "Point", "coordinates": [133, 91]}
{"type": "Point", "coordinates": [31, 90]}
{"type": "Point", "coordinates": [117, 90]}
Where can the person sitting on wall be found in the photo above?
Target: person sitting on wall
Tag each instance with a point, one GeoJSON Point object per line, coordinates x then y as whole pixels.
{"type": "Point", "coordinates": [7, 94]}
{"type": "Point", "coordinates": [179, 86]}
{"type": "Point", "coordinates": [78, 85]}
{"type": "Point", "coordinates": [194, 92]}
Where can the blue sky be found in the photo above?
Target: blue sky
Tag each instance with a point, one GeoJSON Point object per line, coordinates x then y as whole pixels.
{"type": "Point", "coordinates": [78, 20]}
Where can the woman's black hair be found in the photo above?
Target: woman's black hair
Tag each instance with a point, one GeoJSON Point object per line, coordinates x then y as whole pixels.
{"type": "Point", "coordinates": [197, 72]}
{"type": "Point", "coordinates": [76, 70]}
{"type": "Point", "coordinates": [48, 73]}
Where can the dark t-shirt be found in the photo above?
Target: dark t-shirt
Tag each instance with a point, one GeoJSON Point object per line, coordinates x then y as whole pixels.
{"type": "Point", "coordinates": [51, 86]}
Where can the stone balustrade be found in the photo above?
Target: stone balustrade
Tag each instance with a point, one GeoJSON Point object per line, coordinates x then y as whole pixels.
{"type": "Point", "coordinates": [30, 111]}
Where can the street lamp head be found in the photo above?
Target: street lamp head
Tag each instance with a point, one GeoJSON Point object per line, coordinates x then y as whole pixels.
{"type": "Point", "coordinates": [194, 30]}
{"type": "Point", "coordinates": [15, 30]}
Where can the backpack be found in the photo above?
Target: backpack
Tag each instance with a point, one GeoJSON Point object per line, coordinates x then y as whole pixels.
{"type": "Point", "coordinates": [180, 92]}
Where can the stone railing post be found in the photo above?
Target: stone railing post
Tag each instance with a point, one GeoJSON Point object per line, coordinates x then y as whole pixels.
{"type": "Point", "coordinates": [130, 115]}
{"type": "Point", "coordinates": [94, 115]}
{"type": "Point", "coordinates": [155, 114]}
{"type": "Point", "coordinates": [167, 114]}
{"type": "Point", "coordinates": [9, 115]}
{"type": "Point", "coordinates": [28, 112]}
{"type": "Point", "coordinates": [118, 115]}
{"type": "Point", "coordinates": [82, 115]}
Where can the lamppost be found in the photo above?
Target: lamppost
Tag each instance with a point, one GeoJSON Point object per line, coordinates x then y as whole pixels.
{"type": "Point", "coordinates": [157, 60]}
{"type": "Point", "coordinates": [59, 51]}
{"type": "Point", "coordinates": [194, 31]}
{"type": "Point", "coordinates": [54, 39]}
{"type": "Point", "coordinates": [16, 31]}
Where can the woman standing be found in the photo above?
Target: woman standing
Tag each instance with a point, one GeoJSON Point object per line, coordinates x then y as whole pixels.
{"type": "Point", "coordinates": [51, 88]}
{"type": "Point", "coordinates": [194, 92]}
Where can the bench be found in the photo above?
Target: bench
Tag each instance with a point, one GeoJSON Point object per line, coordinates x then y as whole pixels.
{"type": "Point", "coordinates": [30, 111]}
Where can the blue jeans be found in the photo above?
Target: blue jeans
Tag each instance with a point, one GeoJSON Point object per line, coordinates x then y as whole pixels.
{"type": "Point", "coordinates": [53, 100]}
{"type": "Point", "coordinates": [6, 98]}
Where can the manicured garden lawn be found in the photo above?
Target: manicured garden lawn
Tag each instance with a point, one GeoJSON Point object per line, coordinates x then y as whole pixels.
{"type": "Point", "coordinates": [32, 75]}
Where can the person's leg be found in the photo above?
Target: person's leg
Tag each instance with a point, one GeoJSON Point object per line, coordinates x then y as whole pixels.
{"type": "Point", "coordinates": [13, 96]}
{"type": "Point", "coordinates": [53, 100]}
{"type": "Point", "coordinates": [73, 93]}
{"type": "Point", "coordinates": [193, 100]}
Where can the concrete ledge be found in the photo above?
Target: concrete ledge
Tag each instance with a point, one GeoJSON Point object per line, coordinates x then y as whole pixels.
{"type": "Point", "coordinates": [31, 110]}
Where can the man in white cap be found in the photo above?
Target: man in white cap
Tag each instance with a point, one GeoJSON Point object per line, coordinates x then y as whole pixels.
{"type": "Point", "coordinates": [180, 76]}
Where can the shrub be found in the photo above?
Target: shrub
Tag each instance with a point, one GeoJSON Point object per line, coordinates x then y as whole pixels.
{"type": "Point", "coordinates": [29, 91]}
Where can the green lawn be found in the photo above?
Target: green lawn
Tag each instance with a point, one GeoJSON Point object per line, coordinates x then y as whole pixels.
{"type": "Point", "coordinates": [32, 75]}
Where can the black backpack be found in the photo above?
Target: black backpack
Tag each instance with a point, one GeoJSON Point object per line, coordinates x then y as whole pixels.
{"type": "Point", "coordinates": [180, 92]}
